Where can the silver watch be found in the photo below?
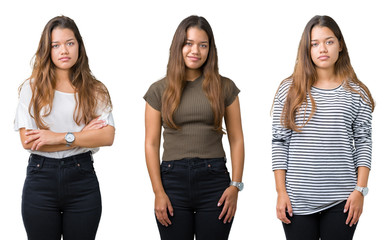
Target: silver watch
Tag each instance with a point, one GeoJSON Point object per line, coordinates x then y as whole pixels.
{"type": "Point", "coordinates": [238, 185]}
{"type": "Point", "coordinates": [363, 190]}
{"type": "Point", "coordinates": [69, 138]}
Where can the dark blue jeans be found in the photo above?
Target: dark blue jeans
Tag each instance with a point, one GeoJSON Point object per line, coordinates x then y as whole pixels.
{"type": "Point", "coordinates": [194, 187]}
{"type": "Point", "coordinates": [61, 197]}
{"type": "Point", "coordinates": [326, 225]}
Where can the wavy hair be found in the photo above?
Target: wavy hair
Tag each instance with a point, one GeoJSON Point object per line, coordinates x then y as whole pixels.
{"type": "Point", "coordinates": [175, 77]}
{"type": "Point", "coordinates": [91, 92]}
{"type": "Point", "coordinates": [305, 75]}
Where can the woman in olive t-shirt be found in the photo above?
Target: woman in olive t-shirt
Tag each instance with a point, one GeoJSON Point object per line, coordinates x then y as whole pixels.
{"type": "Point", "coordinates": [194, 194]}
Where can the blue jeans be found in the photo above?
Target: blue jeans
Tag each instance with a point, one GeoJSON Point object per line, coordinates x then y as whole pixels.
{"type": "Point", "coordinates": [194, 187]}
{"type": "Point", "coordinates": [61, 197]}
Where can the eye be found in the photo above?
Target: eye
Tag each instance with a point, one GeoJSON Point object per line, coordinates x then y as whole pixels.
{"type": "Point", "coordinates": [70, 43]}
{"type": "Point", "coordinates": [314, 44]}
{"type": "Point", "coordinates": [203, 46]}
{"type": "Point", "coordinates": [329, 42]}
{"type": "Point", "coordinates": [55, 46]}
{"type": "Point", "coordinates": [189, 44]}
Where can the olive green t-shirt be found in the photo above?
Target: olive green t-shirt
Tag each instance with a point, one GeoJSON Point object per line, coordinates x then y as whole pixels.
{"type": "Point", "coordinates": [196, 137]}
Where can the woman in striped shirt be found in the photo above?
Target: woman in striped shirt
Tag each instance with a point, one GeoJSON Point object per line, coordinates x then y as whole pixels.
{"type": "Point", "coordinates": [321, 145]}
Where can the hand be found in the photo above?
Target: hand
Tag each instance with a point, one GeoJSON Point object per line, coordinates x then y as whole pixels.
{"type": "Point", "coordinates": [354, 205]}
{"type": "Point", "coordinates": [94, 124]}
{"type": "Point", "coordinates": [43, 137]}
{"type": "Point", "coordinates": [229, 200]}
{"type": "Point", "coordinates": [162, 204]}
{"type": "Point", "coordinates": [283, 205]}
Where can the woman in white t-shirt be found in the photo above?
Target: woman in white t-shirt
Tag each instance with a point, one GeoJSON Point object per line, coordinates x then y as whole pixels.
{"type": "Point", "coordinates": [63, 116]}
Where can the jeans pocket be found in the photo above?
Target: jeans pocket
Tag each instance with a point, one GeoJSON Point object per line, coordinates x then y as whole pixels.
{"type": "Point", "coordinates": [217, 168]}
{"type": "Point", "coordinates": [85, 168]}
{"type": "Point", "coordinates": [33, 167]}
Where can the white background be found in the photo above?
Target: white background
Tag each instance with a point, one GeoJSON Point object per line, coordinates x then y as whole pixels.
{"type": "Point", "coordinates": [128, 44]}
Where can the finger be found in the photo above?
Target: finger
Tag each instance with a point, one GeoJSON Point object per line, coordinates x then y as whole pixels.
{"type": "Point", "coordinates": [159, 216]}
{"type": "Point", "coordinates": [31, 139]}
{"type": "Point", "coordinates": [223, 212]}
{"type": "Point", "coordinates": [165, 218]}
{"type": "Point", "coordinates": [289, 209]}
{"type": "Point", "coordinates": [350, 216]}
{"type": "Point", "coordinates": [230, 215]}
{"type": "Point", "coordinates": [170, 209]}
{"type": "Point", "coordinates": [31, 132]}
{"type": "Point", "coordinates": [221, 201]}
{"type": "Point", "coordinates": [281, 214]}
{"type": "Point", "coordinates": [356, 217]}
{"type": "Point", "coordinates": [346, 208]}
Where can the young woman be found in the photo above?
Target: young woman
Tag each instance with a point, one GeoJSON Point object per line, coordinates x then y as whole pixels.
{"type": "Point", "coordinates": [193, 191]}
{"type": "Point", "coordinates": [321, 146]}
{"type": "Point", "coordinates": [63, 116]}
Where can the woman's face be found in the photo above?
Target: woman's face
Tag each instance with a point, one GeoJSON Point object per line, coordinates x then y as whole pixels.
{"type": "Point", "coordinates": [64, 48]}
{"type": "Point", "coordinates": [325, 47]}
{"type": "Point", "coordinates": [196, 48]}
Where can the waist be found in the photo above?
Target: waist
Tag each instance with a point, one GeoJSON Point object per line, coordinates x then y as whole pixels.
{"type": "Point", "coordinates": [194, 162]}
{"type": "Point", "coordinates": [78, 158]}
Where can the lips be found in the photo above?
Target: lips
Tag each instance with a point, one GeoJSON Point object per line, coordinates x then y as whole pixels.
{"type": "Point", "coordinates": [64, 59]}
{"type": "Point", "coordinates": [194, 58]}
{"type": "Point", "coordinates": [323, 57]}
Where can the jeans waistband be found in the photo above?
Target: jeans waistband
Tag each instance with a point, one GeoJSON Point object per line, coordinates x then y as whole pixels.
{"type": "Point", "coordinates": [194, 162]}
{"type": "Point", "coordinates": [82, 157]}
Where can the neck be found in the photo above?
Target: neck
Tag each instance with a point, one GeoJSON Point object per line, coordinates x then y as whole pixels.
{"type": "Point", "coordinates": [63, 83]}
{"type": "Point", "coordinates": [192, 74]}
{"type": "Point", "coordinates": [327, 79]}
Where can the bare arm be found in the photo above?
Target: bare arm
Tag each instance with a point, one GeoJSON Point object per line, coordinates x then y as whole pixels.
{"type": "Point", "coordinates": [283, 201]}
{"type": "Point", "coordinates": [95, 134]}
{"type": "Point", "coordinates": [355, 201]}
{"type": "Point", "coordinates": [236, 141]}
{"type": "Point", "coordinates": [153, 126]}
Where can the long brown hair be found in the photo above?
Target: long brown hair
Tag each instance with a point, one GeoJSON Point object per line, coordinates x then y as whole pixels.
{"type": "Point", "coordinates": [305, 75]}
{"type": "Point", "coordinates": [91, 92]}
{"type": "Point", "coordinates": [212, 84]}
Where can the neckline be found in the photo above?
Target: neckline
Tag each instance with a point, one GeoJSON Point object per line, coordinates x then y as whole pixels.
{"type": "Point", "coordinates": [327, 90]}
{"type": "Point", "coordinates": [65, 93]}
{"type": "Point", "coordinates": [198, 79]}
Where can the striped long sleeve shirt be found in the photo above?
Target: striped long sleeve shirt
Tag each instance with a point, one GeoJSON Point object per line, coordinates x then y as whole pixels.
{"type": "Point", "coordinates": [321, 161]}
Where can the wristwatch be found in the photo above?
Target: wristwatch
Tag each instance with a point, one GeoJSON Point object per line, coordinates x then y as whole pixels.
{"type": "Point", "coordinates": [238, 185]}
{"type": "Point", "coordinates": [363, 190]}
{"type": "Point", "coordinates": [69, 138]}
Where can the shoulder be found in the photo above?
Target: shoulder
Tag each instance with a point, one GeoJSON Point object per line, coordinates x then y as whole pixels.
{"type": "Point", "coordinates": [284, 86]}
{"type": "Point", "coordinates": [25, 91]}
{"type": "Point", "coordinates": [159, 85]}
{"type": "Point", "coordinates": [228, 85]}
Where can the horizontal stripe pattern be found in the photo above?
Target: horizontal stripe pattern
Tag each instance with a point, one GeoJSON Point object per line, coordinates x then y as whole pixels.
{"type": "Point", "coordinates": [322, 160]}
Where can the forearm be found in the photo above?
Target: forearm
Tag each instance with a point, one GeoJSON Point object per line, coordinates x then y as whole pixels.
{"type": "Point", "coordinates": [280, 181]}
{"type": "Point", "coordinates": [153, 166]}
{"type": "Point", "coordinates": [237, 155]}
{"type": "Point", "coordinates": [362, 176]}
{"type": "Point", "coordinates": [94, 138]}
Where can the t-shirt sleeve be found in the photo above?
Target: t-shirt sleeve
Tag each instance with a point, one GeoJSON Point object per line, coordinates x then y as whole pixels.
{"type": "Point", "coordinates": [154, 95]}
{"type": "Point", "coordinates": [23, 119]}
{"type": "Point", "coordinates": [362, 130]}
{"type": "Point", "coordinates": [106, 115]}
{"type": "Point", "coordinates": [231, 91]}
{"type": "Point", "coordinates": [280, 135]}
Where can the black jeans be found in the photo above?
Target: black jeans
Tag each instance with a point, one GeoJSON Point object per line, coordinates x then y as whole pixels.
{"type": "Point", "coordinates": [61, 197]}
{"type": "Point", "coordinates": [194, 187]}
{"type": "Point", "coordinates": [326, 225]}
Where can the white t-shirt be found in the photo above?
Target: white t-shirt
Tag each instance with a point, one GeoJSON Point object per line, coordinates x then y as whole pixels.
{"type": "Point", "coordinates": [60, 119]}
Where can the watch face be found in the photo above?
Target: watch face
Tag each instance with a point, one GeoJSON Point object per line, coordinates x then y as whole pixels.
{"type": "Point", "coordinates": [241, 186]}
{"type": "Point", "coordinates": [365, 191]}
{"type": "Point", "coordinates": [69, 137]}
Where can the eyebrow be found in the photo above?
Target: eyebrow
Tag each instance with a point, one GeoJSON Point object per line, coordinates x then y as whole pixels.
{"type": "Point", "coordinates": [193, 41]}
{"type": "Point", "coordinates": [71, 39]}
{"type": "Point", "coordinates": [318, 40]}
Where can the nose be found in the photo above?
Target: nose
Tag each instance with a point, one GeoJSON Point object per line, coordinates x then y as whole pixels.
{"type": "Point", "coordinates": [322, 48]}
{"type": "Point", "coordinates": [64, 50]}
{"type": "Point", "coordinates": [195, 49]}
